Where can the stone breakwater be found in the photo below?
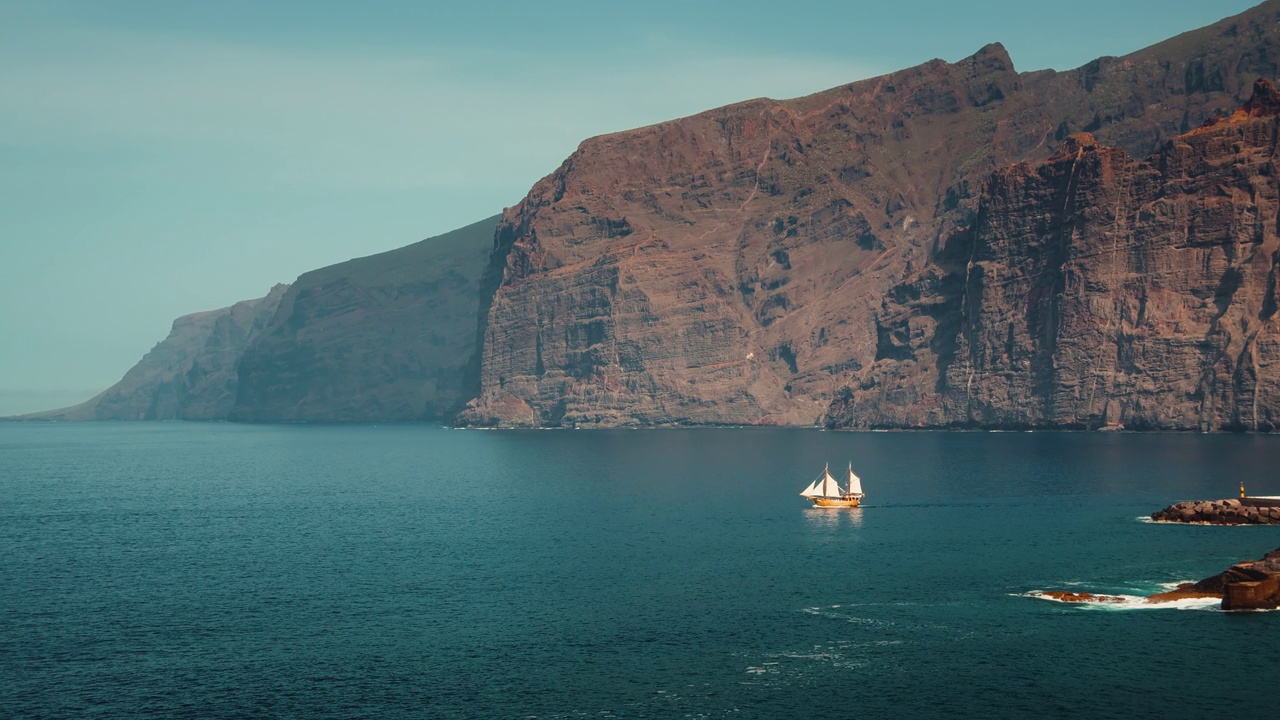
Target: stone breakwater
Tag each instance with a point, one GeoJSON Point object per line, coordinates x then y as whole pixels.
{"type": "Point", "coordinates": [1243, 511]}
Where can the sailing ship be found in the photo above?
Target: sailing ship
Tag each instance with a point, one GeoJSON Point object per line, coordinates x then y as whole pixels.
{"type": "Point", "coordinates": [826, 492]}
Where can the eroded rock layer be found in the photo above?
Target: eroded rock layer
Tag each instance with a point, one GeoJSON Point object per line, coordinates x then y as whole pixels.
{"type": "Point", "coordinates": [733, 267]}
{"type": "Point", "coordinates": [1097, 290]}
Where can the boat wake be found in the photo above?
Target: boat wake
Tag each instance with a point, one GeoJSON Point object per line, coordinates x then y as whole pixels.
{"type": "Point", "coordinates": [835, 612]}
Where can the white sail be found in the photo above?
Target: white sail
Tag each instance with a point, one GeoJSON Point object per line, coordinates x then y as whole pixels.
{"type": "Point", "coordinates": [855, 483]}
{"type": "Point", "coordinates": [830, 488]}
{"type": "Point", "coordinates": [813, 490]}
{"type": "Point", "coordinates": [825, 486]}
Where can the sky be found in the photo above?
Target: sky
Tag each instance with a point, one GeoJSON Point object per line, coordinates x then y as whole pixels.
{"type": "Point", "coordinates": [163, 157]}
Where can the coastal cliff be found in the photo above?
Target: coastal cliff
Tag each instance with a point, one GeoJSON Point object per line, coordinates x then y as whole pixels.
{"type": "Point", "coordinates": [381, 338]}
{"type": "Point", "coordinates": [386, 337]}
{"type": "Point", "coordinates": [757, 264]}
{"type": "Point", "coordinates": [1097, 290]}
{"type": "Point", "coordinates": [190, 375]}
{"type": "Point", "coordinates": [954, 245]}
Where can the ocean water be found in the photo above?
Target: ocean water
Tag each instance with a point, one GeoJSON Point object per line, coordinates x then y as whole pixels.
{"type": "Point", "coordinates": [215, 570]}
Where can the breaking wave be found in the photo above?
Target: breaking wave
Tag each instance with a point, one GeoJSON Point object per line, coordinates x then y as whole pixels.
{"type": "Point", "coordinates": [1127, 602]}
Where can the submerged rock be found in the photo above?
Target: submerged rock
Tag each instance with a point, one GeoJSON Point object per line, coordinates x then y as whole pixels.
{"type": "Point", "coordinates": [1074, 597]}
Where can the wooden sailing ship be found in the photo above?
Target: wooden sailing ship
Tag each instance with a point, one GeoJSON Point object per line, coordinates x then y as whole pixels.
{"type": "Point", "coordinates": [826, 492]}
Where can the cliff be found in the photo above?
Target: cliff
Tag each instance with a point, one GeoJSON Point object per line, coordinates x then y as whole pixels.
{"type": "Point", "coordinates": [380, 338]}
{"type": "Point", "coordinates": [190, 375]}
{"type": "Point", "coordinates": [1097, 290]}
{"type": "Point", "coordinates": [733, 267]}
{"type": "Point", "coordinates": [951, 245]}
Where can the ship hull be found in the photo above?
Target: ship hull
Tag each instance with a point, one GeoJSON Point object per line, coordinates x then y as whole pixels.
{"type": "Point", "coordinates": [835, 502]}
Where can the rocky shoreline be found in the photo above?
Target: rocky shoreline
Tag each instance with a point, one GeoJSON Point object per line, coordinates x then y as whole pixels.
{"type": "Point", "coordinates": [1242, 511]}
{"type": "Point", "coordinates": [1250, 585]}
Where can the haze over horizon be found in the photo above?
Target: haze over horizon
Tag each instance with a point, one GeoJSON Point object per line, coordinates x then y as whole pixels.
{"type": "Point", "coordinates": [167, 158]}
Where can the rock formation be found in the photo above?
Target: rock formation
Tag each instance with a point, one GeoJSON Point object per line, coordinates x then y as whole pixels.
{"type": "Point", "coordinates": [1097, 290]}
{"type": "Point", "coordinates": [381, 338]}
{"type": "Point", "coordinates": [190, 375]}
{"type": "Point", "coordinates": [1250, 585]}
{"type": "Point", "coordinates": [753, 263]}
{"type": "Point", "coordinates": [951, 245]}
{"type": "Point", "coordinates": [1244, 511]}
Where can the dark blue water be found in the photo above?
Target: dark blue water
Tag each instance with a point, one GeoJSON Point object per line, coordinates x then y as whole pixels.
{"type": "Point", "coordinates": [209, 570]}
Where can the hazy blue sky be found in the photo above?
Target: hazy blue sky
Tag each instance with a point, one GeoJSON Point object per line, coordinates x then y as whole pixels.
{"type": "Point", "coordinates": [160, 157]}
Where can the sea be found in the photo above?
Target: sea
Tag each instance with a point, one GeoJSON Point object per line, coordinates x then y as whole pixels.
{"type": "Point", "coordinates": [210, 570]}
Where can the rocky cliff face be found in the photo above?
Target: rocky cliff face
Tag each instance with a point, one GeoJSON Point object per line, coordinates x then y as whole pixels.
{"type": "Point", "coordinates": [1097, 290]}
{"type": "Point", "coordinates": [190, 375]}
{"type": "Point", "coordinates": [733, 267]}
{"type": "Point", "coordinates": [949, 245]}
{"type": "Point", "coordinates": [385, 337]}
{"type": "Point", "coordinates": [382, 338]}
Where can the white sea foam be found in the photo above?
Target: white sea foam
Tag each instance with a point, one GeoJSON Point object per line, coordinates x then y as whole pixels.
{"type": "Point", "coordinates": [829, 612]}
{"type": "Point", "coordinates": [1201, 523]}
{"type": "Point", "coordinates": [1129, 602]}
